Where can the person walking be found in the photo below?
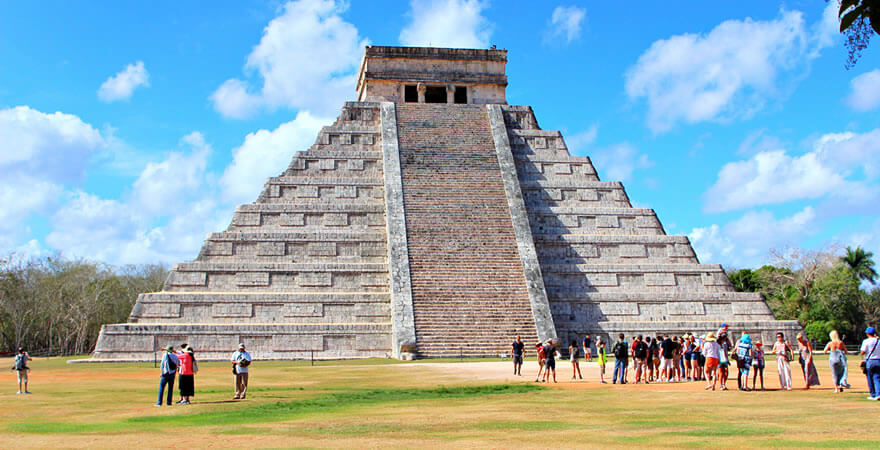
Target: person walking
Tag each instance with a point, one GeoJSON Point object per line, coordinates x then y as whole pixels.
{"type": "Point", "coordinates": [649, 360]}
{"type": "Point", "coordinates": [871, 353]}
{"type": "Point", "coordinates": [743, 361]}
{"type": "Point", "coordinates": [588, 350]}
{"type": "Point", "coordinates": [783, 356]}
{"type": "Point", "coordinates": [758, 362]}
{"type": "Point", "coordinates": [518, 349]}
{"type": "Point", "coordinates": [167, 372]}
{"type": "Point", "coordinates": [241, 361]}
{"type": "Point", "coordinates": [712, 352]}
{"type": "Point", "coordinates": [542, 359]}
{"type": "Point", "coordinates": [805, 358]}
{"type": "Point", "coordinates": [621, 353]}
{"type": "Point", "coordinates": [550, 363]}
{"type": "Point", "coordinates": [574, 356]}
{"type": "Point", "coordinates": [836, 360]}
{"type": "Point", "coordinates": [21, 369]}
{"type": "Point", "coordinates": [602, 358]}
{"type": "Point", "coordinates": [186, 375]}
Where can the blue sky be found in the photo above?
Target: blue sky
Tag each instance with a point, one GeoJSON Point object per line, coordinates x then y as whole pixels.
{"type": "Point", "coordinates": [129, 131]}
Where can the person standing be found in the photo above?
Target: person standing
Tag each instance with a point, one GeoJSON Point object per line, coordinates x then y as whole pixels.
{"type": "Point", "coordinates": [621, 353]}
{"type": "Point", "coordinates": [871, 353]}
{"type": "Point", "coordinates": [542, 359]}
{"type": "Point", "coordinates": [241, 361]}
{"type": "Point", "coordinates": [21, 369]}
{"type": "Point", "coordinates": [640, 357]}
{"type": "Point", "coordinates": [805, 358]}
{"type": "Point", "coordinates": [836, 360]}
{"type": "Point", "coordinates": [602, 358]}
{"type": "Point", "coordinates": [743, 361]}
{"type": "Point", "coordinates": [186, 375]}
{"type": "Point", "coordinates": [783, 352]}
{"type": "Point", "coordinates": [724, 363]}
{"type": "Point", "coordinates": [712, 353]}
{"type": "Point", "coordinates": [697, 358]}
{"type": "Point", "coordinates": [666, 359]}
{"type": "Point", "coordinates": [167, 372]}
{"type": "Point", "coordinates": [574, 356]}
{"type": "Point", "coordinates": [518, 349]}
{"type": "Point", "coordinates": [758, 362]}
{"type": "Point", "coordinates": [550, 364]}
{"type": "Point", "coordinates": [649, 359]}
{"type": "Point", "coordinates": [588, 350]}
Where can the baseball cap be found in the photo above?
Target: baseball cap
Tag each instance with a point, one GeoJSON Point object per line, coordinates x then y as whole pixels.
{"type": "Point", "coordinates": [870, 330]}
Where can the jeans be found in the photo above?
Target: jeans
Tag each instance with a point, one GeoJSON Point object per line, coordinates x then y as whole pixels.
{"type": "Point", "coordinates": [873, 368]}
{"type": "Point", "coordinates": [843, 380]}
{"type": "Point", "coordinates": [166, 379]}
{"type": "Point", "coordinates": [619, 367]}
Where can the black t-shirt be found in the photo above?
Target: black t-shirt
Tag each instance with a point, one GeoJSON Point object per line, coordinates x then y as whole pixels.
{"type": "Point", "coordinates": [641, 350]}
{"type": "Point", "coordinates": [518, 348]}
{"type": "Point", "coordinates": [549, 353]}
{"type": "Point", "coordinates": [587, 342]}
{"type": "Point", "coordinates": [621, 350]}
{"type": "Point", "coordinates": [667, 347]}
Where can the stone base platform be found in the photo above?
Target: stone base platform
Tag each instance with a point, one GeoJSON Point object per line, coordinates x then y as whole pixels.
{"type": "Point", "coordinates": [212, 342]}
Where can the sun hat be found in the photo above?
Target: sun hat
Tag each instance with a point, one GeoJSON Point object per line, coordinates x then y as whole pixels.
{"type": "Point", "coordinates": [169, 348]}
{"type": "Point", "coordinates": [870, 330]}
{"type": "Point", "coordinates": [241, 345]}
{"type": "Point", "coordinates": [746, 338]}
{"type": "Point", "coordinates": [758, 342]}
{"type": "Point", "coordinates": [710, 337]}
{"type": "Point", "coordinates": [189, 350]}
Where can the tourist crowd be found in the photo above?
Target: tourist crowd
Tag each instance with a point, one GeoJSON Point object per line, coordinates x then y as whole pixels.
{"type": "Point", "coordinates": [709, 357]}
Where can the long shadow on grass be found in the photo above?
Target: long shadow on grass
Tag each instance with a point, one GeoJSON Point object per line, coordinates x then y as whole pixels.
{"type": "Point", "coordinates": [270, 412]}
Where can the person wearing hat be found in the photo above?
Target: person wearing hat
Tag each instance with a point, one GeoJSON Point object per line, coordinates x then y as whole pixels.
{"type": "Point", "coordinates": [241, 360]}
{"type": "Point", "coordinates": [712, 353]}
{"type": "Point", "coordinates": [167, 372]}
{"type": "Point", "coordinates": [758, 362]}
{"type": "Point", "coordinates": [187, 372]}
{"type": "Point", "coordinates": [870, 350]}
{"type": "Point", "coordinates": [743, 361]}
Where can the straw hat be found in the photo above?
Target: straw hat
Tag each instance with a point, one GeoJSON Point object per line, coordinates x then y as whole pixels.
{"type": "Point", "coordinates": [710, 337]}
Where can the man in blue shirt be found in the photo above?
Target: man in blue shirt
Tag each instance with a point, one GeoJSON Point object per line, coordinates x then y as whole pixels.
{"type": "Point", "coordinates": [167, 372]}
{"type": "Point", "coordinates": [518, 348]}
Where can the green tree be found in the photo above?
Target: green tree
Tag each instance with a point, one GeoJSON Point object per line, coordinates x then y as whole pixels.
{"type": "Point", "coordinates": [859, 20]}
{"type": "Point", "coordinates": [861, 263]}
{"type": "Point", "coordinates": [836, 304]}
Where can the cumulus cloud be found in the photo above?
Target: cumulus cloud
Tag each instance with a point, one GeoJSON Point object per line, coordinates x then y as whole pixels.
{"type": "Point", "coordinates": [618, 162]}
{"type": "Point", "coordinates": [865, 91]}
{"type": "Point", "coordinates": [306, 58]}
{"type": "Point", "coordinates": [565, 23]}
{"type": "Point", "coordinates": [164, 186]}
{"type": "Point", "coordinates": [725, 74]}
{"type": "Point", "coordinates": [579, 142]}
{"type": "Point", "coordinates": [447, 23]}
{"type": "Point", "coordinates": [122, 85]}
{"type": "Point", "coordinates": [265, 153]}
{"type": "Point", "coordinates": [840, 165]}
{"type": "Point", "coordinates": [746, 241]}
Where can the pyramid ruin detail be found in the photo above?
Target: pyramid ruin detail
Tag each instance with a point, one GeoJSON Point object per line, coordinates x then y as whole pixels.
{"type": "Point", "coordinates": [433, 220]}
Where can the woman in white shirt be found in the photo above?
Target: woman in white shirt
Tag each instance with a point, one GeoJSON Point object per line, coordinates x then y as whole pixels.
{"type": "Point", "coordinates": [782, 351]}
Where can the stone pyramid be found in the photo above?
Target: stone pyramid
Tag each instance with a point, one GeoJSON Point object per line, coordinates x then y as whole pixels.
{"type": "Point", "coordinates": [433, 220]}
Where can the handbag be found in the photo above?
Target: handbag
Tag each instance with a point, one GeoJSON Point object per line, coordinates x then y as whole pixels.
{"type": "Point", "coordinates": [864, 364]}
{"type": "Point", "coordinates": [788, 353]}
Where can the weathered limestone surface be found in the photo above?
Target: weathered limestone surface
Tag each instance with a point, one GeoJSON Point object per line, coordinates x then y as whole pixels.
{"type": "Point", "coordinates": [433, 219]}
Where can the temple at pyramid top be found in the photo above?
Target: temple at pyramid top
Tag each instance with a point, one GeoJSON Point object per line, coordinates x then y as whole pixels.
{"type": "Point", "coordinates": [433, 75]}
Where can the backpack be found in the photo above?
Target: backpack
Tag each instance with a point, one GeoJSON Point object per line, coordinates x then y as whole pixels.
{"type": "Point", "coordinates": [641, 350]}
{"type": "Point", "coordinates": [20, 363]}
{"type": "Point", "coordinates": [620, 350]}
{"type": "Point", "coordinates": [172, 366]}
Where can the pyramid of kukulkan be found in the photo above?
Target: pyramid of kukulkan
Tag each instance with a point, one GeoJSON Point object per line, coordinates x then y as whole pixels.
{"type": "Point", "coordinates": [433, 220]}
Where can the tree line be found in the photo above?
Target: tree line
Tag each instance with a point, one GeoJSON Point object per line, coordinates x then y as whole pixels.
{"type": "Point", "coordinates": [820, 289]}
{"type": "Point", "coordinates": [55, 306]}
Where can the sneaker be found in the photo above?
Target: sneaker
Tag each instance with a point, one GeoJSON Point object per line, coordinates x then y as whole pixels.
{"type": "Point", "coordinates": [603, 382]}
{"type": "Point", "coordinates": [17, 393]}
{"type": "Point", "coordinates": [158, 404]}
{"type": "Point", "coordinates": [869, 397]}
{"type": "Point", "coordinates": [27, 392]}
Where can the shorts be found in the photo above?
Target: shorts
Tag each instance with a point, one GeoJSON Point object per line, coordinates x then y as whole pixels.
{"type": "Point", "coordinates": [724, 365]}
{"type": "Point", "coordinates": [666, 364]}
{"type": "Point", "coordinates": [517, 359]}
{"type": "Point", "coordinates": [602, 369]}
{"type": "Point", "coordinates": [711, 363]}
{"type": "Point", "coordinates": [700, 358]}
{"type": "Point", "coordinates": [551, 364]}
{"type": "Point", "coordinates": [688, 356]}
{"type": "Point", "coordinates": [758, 364]}
{"type": "Point", "coordinates": [541, 362]}
{"type": "Point", "coordinates": [22, 376]}
{"type": "Point", "coordinates": [640, 364]}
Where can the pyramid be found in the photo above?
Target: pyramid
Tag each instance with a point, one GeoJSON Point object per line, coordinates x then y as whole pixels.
{"type": "Point", "coordinates": [433, 220]}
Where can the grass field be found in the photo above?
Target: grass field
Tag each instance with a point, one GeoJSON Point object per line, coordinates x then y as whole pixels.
{"type": "Point", "coordinates": [381, 403]}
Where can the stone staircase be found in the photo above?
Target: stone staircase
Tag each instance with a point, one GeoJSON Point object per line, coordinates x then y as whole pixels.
{"type": "Point", "coordinates": [468, 288]}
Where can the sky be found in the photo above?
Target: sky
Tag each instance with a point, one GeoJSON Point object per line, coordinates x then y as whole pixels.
{"type": "Point", "coordinates": [130, 130]}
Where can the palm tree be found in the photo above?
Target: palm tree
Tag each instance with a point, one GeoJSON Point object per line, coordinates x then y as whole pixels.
{"type": "Point", "coordinates": [861, 263]}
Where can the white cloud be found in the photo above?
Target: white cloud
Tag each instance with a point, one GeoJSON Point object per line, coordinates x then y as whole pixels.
{"type": "Point", "coordinates": [840, 165]}
{"type": "Point", "coordinates": [579, 142]}
{"type": "Point", "coordinates": [447, 23]}
{"type": "Point", "coordinates": [307, 58]}
{"type": "Point", "coordinates": [759, 141]}
{"type": "Point", "coordinates": [618, 162]}
{"type": "Point", "coordinates": [865, 91]}
{"type": "Point", "coordinates": [725, 74]}
{"type": "Point", "coordinates": [746, 242]}
{"type": "Point", "coordinates": [165, 186]}
{"type": "Point", "coordinates": [566, 22]}
{"type": "Point", "coordinates": [264, 153]}
{"type": "Point", "coordinates": [122, 85]}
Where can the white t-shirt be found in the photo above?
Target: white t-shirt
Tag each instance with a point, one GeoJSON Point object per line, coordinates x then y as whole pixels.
{"type": "Point", "coordinates": [711, 349]}
{"type": "Point", "coordinates": [868, 345]}
{"type": "Point", "coordinates": [239, 356]}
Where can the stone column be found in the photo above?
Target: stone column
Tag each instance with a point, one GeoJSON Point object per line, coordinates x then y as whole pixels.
{"type": "Point", "coordinates": [450, 93]}
{"type": "Point", "coordinates": [422, 88]}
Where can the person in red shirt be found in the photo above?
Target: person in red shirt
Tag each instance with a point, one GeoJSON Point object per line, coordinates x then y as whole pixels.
{"type": "Point", "coordinates": [186, 371]}
{"type": "Point", "coordinates": [539, 348]}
